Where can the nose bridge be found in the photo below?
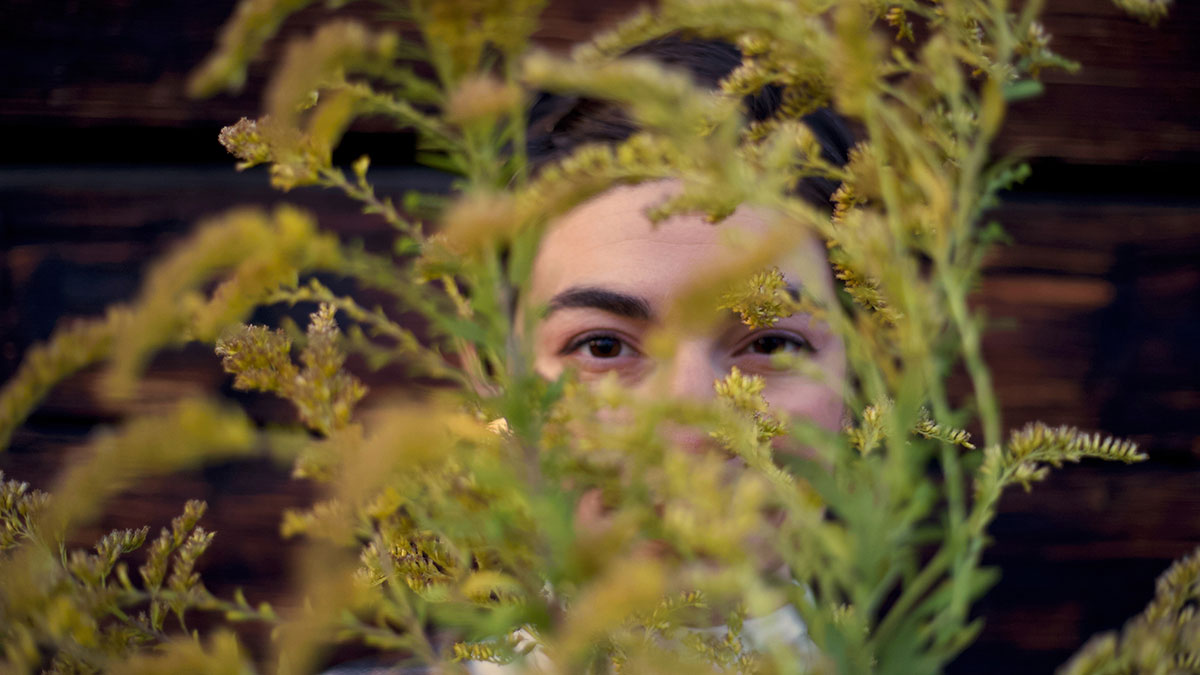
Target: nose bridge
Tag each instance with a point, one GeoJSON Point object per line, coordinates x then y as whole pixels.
{"type": "Point", "coordinates": [692, 371]}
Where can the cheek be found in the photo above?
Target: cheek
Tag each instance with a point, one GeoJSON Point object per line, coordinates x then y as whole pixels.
{"type": "Point", "coordinates": [801, 398]}
{"type": "Point", "coordinates": [546, 365]}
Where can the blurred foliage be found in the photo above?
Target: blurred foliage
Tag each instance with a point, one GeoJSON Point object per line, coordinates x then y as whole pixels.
{"type": "Point", "coordinates": [447, 530]}
{"type": "Point", "coordinates": [1162, 639]}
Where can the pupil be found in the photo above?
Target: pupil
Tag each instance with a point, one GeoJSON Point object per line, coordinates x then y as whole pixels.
{"type": "Point", "coordinates": [768, 345]}
{"type": "Point", "coordinates": [604, 347]}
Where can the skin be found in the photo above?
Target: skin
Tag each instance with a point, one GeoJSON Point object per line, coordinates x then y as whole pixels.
{"type": "Point", "coordinates": [607, 274]}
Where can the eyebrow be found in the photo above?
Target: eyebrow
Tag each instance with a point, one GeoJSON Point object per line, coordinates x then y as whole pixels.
{"type": "Point", "coordinates": [603, 299]}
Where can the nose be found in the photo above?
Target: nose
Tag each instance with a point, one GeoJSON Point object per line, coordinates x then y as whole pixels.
{"type": "Point", "coordinates": [692, 371]}
{"type": "Point", "coordinates": [690, 375]}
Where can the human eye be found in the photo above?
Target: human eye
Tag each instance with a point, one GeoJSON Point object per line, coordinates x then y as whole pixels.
{"type": "Point", "coordinates": [600, 351]}
{"type": "Point", "coordinates": [762, 346]}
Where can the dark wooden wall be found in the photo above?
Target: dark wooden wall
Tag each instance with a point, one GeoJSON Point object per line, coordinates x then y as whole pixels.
{"type": "Point", "coordinates": [1095, 306]}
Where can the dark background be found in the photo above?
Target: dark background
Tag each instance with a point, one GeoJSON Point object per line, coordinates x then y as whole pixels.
{"type": "Point", "coordinates": [1095, 307]}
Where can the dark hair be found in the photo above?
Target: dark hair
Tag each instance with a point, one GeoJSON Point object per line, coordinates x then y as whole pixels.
{"type": "Point", "coordinates": [559, 124]}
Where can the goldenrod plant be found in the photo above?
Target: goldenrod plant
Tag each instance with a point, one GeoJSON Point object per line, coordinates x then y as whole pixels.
{"type": "Point", "coordinates": [1162, 639]}
{"type": "Point", "coordinates": [449, 531]}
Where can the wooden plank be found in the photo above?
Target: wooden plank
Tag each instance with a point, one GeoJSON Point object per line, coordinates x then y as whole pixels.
{"type": "Point", "coordinates": [111, 65]}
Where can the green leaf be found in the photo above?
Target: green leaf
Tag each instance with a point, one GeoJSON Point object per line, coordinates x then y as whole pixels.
{"type": "Point", "coordinates": [1021, 90]}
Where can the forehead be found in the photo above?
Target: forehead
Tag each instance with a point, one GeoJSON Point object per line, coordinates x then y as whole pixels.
{"type": "Point", "coordinates": [609, 242]}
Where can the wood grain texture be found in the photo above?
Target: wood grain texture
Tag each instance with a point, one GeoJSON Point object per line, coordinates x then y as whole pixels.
{"type": "Point", "coordinates": [124, 63]}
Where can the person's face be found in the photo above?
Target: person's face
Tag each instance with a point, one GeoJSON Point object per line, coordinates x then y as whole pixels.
{"type": "Point", "coordinates": [607, 275]}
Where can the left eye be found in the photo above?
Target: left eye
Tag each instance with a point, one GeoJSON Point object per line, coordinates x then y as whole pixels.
{"type": "Point", "coordinates": [775, 344]}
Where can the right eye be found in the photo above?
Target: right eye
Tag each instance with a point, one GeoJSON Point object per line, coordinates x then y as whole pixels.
{"type": "Point", "coordinates": [598, 346]}
{"type": "Point", "coordinates": [600, 352]}
{"type": "Point", "coordinates": [604, 347]}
